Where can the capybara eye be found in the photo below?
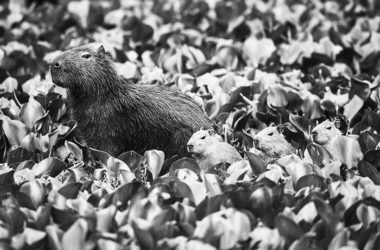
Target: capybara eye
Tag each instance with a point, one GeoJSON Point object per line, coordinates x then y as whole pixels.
{"type": "Point", "coordinates": [87, 55]}
{"type": "Point", "coordinates": [329, 128]}
{"type": "Point", "coordinates": [270, 134]}
{"type": "Point", "coordinates": [203, 137]}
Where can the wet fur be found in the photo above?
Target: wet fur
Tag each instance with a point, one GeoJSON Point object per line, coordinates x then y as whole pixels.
{"type": "Point", "coordinates": [115, 116]}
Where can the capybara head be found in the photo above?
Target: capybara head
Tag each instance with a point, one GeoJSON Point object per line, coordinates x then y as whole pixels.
{"type": "Point", "coordinates": [271, 142]}
{"type": "Point", "coordinates": [84, 67]}
{"type": "Point", "coordinates": [201, 140]}
{"type": "Point", "coordinates": [324, 132]}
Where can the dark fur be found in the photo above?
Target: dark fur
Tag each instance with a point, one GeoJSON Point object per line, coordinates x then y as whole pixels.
{"type": "Point", "coordinates": [116, 116]}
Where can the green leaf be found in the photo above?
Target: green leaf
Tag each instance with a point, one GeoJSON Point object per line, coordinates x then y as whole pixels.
{"type": "Point", "coordinates": [35, 190]}
{"type": "Point", "coordinates": [18, 155]}
{"type": "Point", "coordinates": [74, 238]}
{"type": "Point", "coordinates": [35, 142]}
{"type": "Point", "coordinates": [54, 234]}
{"type": "Point", "coordinates": [131, 158]}
{"type": "Point", "coordinates": [143, 236]}
{"type": "Point", "coordinates": [340, 240]}
{"type": "Point", "coordinates": [105, 219]}
{"type": "Point", "coordinates": [6, 177]}
{"type": "Point", "coordinates": [367, 215]}
{"type": "Point", "coordinates": [311, 180]}
{"type": "Point", "coordinates": [31, 112]}
{"type": "Point", "coordinates": [50, 166]}
{"type": "Point", "coordinates": [368, 170]}
{"type": "Point", "coordinates": [348, 150]}
{"type": "Point", "coordinates": [154, 160]}
{"type": "Point", "coordinates": [187, 163]}
{"type": "Point", "coordinates": [104, 244]}
{"type": "Point", "coordinates": [368, 141]}
{"type": "Point", "coordinates": [256, 162]}
{"type": "Point", "coordinates": [71, 190]}
{"type": "Point", "coordinates": [288, 228]}
{"type": "Point", "coordinates": [319, 154]}
{"type": "Point", "coordinates": [301, 123]}
{"type": "Point", "coordinates": [75, 150]}
{"type": "Point", "coordinates": [15, 131]}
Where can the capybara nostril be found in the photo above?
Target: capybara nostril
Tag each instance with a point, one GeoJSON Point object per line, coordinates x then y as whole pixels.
{"type": "Point", "coordinates": [314, 133]}
{"type": "Point", "coordinates": [190, 148]}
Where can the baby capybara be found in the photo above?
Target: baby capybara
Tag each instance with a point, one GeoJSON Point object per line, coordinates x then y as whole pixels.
{"type": "Point", "coordinates": [114, 115]}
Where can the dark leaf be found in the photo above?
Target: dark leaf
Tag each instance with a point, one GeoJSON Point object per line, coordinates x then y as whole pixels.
{"type": "Point", "coordinates": [71, 190]}
{"type": "Point", "coordinates": [35, 190]}
{"type": "Point", "coordinates": [301, 124]}
{"type": "Point", "coordinates": [261, 200]}
{"type": "Point", "coordinates": [319, 154]}
{"type": "Point", "coordinates": [236, 96]}
{"type": "Point", "coordinates": [330, 220]}
{"type": "Point", "coordinates": [144, 236]}
{"type": "Point", "coordinates": [184, 163]}
{"type": "Point", "coordinates": [368, 170]}
{"type": "Point", "coordinates": [210, 205]}
{"type": "Point", "coordinates": [368, 141]}
{"type": "Point", "coordinates": [307, 242]}
{"type": "Point", "coordinates": [96, 196]}
{"type": "Point", "coordinates": [100, 156]}
{"type": "Point", "coordinates": [240, 120]}
{"type": "Point", "coordinates": [180, 190]}
{"type": "Point", "coordinates": [369, 120]}
{"type": "Point", "coordinates": [128, 192]}
{"type": "Point", "coordinates": [64, 218]}
{"type": "Point", "coordinates": [311, 180]}
{"type": "Point", "coordinates": [360, 87]}
{"type": "Point", "coordinates": [50, 166]}
{"type": "Point", "coordinates": [7, 178]}
{"type": "Point", "coordinates": [290, 230]}
{"type": "Point", "coordinates": [131, 158]}
{"type": "Point", "coordinates": [268, 118]}
{"type": "Point", "coordinates": [13, 218]}
{"type": "Point", "coordinates": [373, 157]}
{"type": "Point", "coordinates": [167, 164]}
{"type": "Point", "coordinates": [19, 155]}
{"type": "Point", "coordinates": [256, 162]}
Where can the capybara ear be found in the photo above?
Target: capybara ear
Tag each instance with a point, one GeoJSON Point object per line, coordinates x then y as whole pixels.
{"type": "Point", "coordinates": [211, 132]}
{"type": "Point", "coordinates": [280, 128]}
{"type": "Point", "coordinates": [101, 52]}
{"type": "Point", "coordinates": [337, 122]}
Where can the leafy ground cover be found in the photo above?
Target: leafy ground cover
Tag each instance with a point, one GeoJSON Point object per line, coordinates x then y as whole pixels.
{"type": "Point", "coordinates": [250, 64]}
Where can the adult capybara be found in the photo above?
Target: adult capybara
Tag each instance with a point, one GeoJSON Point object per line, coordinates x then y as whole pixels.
{"type": "Point", "coordinates": [114, 115]}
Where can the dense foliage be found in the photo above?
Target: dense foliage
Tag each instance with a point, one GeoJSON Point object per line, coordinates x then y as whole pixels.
{"type": "Point", "coordinates": [250, 64]}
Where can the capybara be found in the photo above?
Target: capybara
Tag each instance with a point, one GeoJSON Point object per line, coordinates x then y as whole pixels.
{"type": "Point", "coordinates": [208, 149]}
{"type": "Point", "coordinates": [115, 115]}
{"type": "Point", "coordinates": [272, 144]}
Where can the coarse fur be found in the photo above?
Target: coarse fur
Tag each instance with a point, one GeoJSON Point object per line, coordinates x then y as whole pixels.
{"type": "Point", "coordinates": [208, 149]}
{"type": "Point", "coordinates": [115, 116]}
{"type": "Point", "coordinates": [272, 144]}
{"type": "Point", "coordinates": [325, 132]}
